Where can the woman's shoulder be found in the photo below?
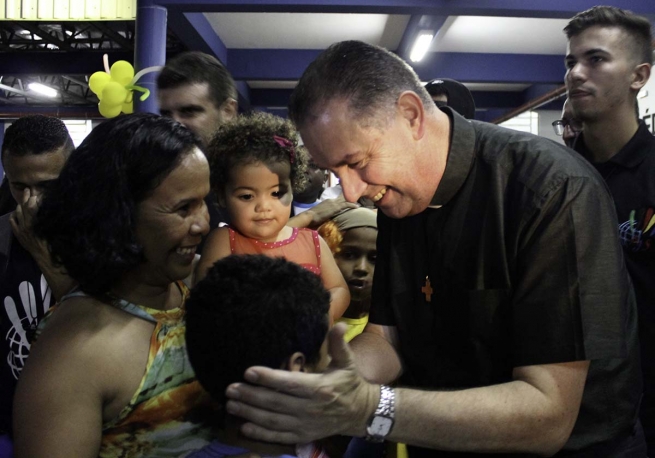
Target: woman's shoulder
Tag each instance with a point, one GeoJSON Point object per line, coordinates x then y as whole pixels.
{"type": "Point", "coordinates": [82, 324]}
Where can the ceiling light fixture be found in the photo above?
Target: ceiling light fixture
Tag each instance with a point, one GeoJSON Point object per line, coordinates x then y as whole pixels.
{"type": "Point", "coordinates": [421, 46]}
{"type": "Point", "coordinates": [41, 89]}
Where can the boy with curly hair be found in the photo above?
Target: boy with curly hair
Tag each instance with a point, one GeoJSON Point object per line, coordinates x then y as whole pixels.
{"type": "Point", "coordinates": [255, 310]}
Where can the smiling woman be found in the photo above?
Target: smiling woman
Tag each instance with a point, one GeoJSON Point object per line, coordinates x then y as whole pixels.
{"type": "Point", "coordinates": [124, 219]}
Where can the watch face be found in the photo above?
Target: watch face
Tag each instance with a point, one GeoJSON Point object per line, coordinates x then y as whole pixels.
{"type": "Point", "coordinates": [380, 426]}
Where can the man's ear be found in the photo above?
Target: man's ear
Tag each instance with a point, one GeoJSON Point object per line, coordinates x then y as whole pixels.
{"type": "Point", "coordinates": [411, 109]}
{"type": "Point", "coordinates": [230, 109]}
{"type": "Point", "coordinates": [296, 362]}
{"type": "Point", "coordinates": [640, 76]}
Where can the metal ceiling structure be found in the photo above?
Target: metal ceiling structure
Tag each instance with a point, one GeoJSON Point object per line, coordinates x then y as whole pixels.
{"type": "Point", "coordinates": [61, 55]}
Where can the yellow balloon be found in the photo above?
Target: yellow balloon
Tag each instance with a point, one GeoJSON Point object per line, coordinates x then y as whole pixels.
{"type": "Point", "coordinates": [128, 108]}
{"type": "Point", "coordinates": [98, 81]}
{"type": "Point", "coordinates": [114, 94]}
{"type": "Point", "coordinates": [122, 72]}
{"type": "Point", "coordinates": [109, 111]}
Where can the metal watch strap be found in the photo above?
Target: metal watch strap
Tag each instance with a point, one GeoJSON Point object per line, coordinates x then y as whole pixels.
{"type": "Point", "coordinates": [386, 409]}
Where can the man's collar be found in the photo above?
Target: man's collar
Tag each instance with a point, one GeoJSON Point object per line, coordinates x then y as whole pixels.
{"type": "Point", "coordinates": [460, 158]}
{"type": "Point", "coordinates": [631, 155]}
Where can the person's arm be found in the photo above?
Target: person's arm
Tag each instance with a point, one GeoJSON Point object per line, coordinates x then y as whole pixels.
{"type": "Point", "coordinates": [320, 213]}
{"type": "Point", "coordinates": [217, 246]}
{"type": "Point", "coordinates": [333, 281]}
{"type": "Point", "coordinates": [21, 221]}
{"type": "Point", "coordinates": [534, 413]}
{"type": "Point", "coordinates": [59, 402]}
{"type": "Point", "coordinates": [376, 353]}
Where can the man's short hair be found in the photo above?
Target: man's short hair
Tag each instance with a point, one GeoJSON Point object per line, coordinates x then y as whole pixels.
{"type": "Point", "coordinates": [197, 67]}
{"type": "Point", "coordinates": [253, 310]}
{"type": "Point", "coordinates": [637, 27]}
{"type": "Point", "coordinates": [369, 77]}
{"type": "Point", "coordinates": [36, 134]}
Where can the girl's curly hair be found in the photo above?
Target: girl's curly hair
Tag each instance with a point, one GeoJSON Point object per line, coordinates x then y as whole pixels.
{"type": "Point", "coordinates": [252, 138]}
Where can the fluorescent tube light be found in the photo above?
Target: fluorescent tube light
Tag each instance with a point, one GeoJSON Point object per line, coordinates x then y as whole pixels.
{"type": "Point", "coordinates": [421, 46]}
{"type": "Point", "coordinates": [41, 89]}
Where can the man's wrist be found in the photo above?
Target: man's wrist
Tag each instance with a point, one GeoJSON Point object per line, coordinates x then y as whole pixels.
{"type": "Point", "coordinates": [382, 420]}
{"type": "Point", "coordinates": [371, 398]}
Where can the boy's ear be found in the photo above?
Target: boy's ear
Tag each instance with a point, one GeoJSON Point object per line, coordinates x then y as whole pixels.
{"type": "Point", "coordinates": [296, 362]}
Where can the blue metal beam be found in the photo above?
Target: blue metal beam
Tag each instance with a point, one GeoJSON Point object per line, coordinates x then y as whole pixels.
{"type": "Point", "coordinates": [243, 91]}
{"type": "Point", "coordinates": [195, 31]}
{"type": "Point", "coordinates": [561, 9]}
{"type": "Point", "coordinates": [269, 64]}
{"type": "Point", "coordinates": [481, 67]}
{"type": "Point", "coordinates": [289, 64]}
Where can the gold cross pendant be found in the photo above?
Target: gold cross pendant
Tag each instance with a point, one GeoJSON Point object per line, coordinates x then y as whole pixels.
{"type": "Point", "coordinates": [427, 289]}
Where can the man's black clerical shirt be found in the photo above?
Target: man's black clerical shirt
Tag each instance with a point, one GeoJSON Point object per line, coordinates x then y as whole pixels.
{"type": "Point", "coordinates": [520, 246]}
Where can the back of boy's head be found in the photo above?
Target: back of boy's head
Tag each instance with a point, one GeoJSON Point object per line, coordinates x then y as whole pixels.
{"type": "Point", "coordinates": [253, 310]}
{"type": "Point", "coordinates": [256, 138]}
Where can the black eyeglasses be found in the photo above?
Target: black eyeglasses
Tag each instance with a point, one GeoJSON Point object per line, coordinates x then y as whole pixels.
{"type": "Point", "coordinates": [560, 124]}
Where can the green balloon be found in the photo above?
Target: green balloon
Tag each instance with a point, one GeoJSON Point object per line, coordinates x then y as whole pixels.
{"type": "Point", "coordinates": [114, 94]}
{"type": "Point", "coordinates": [109, 111]}
{"type": "Point", "coordinates": [122, 72]}
{"type": "Point", "coordinates": [98, 81]}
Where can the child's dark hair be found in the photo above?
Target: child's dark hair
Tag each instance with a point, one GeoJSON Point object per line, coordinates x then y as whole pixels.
{"type": "Point", "coordinates": [253, 310]}
{"type": "Point", "coordinates": [257, 137]}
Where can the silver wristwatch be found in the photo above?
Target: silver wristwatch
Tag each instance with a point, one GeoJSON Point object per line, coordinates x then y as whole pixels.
{"type": "Point", "coordinates": [380, 424]}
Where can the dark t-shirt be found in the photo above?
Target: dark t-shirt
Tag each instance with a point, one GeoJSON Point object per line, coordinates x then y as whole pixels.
{"type": "Point", "coordinates": [525, 269]}
{"type": "Point", "coordinates": [25, 297]}
{"type": "Point", "coordinates": [630, 175]}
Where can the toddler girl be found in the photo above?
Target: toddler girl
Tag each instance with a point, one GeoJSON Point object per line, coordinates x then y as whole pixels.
{"type": "Point", "coordinates": [256, 165]}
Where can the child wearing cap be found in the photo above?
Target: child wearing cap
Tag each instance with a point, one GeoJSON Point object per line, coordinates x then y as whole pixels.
{"type": "Point", "coordinates": [352, 236]}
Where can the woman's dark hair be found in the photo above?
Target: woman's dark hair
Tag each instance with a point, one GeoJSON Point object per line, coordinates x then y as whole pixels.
{"type": "Point", "coordinates": [253, 310]}
{"type": "Point", "coordinates": [88, 217]}
{"type": "Point", "coordinates": [251, 139]}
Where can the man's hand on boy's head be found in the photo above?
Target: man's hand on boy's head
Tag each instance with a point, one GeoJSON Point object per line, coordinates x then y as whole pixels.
{"type": "Point", "coordinates": [328, 209]}
{"type": "Point", "coordinates": [296, 407]}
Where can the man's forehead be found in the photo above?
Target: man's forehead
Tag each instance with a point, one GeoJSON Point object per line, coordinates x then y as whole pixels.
{"type": "Point", "coordinates": [598, 38]}
{"type": "Point", "coordinates": [49, 163]}
{"type": "Point", "coordinates": [184, 92]}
